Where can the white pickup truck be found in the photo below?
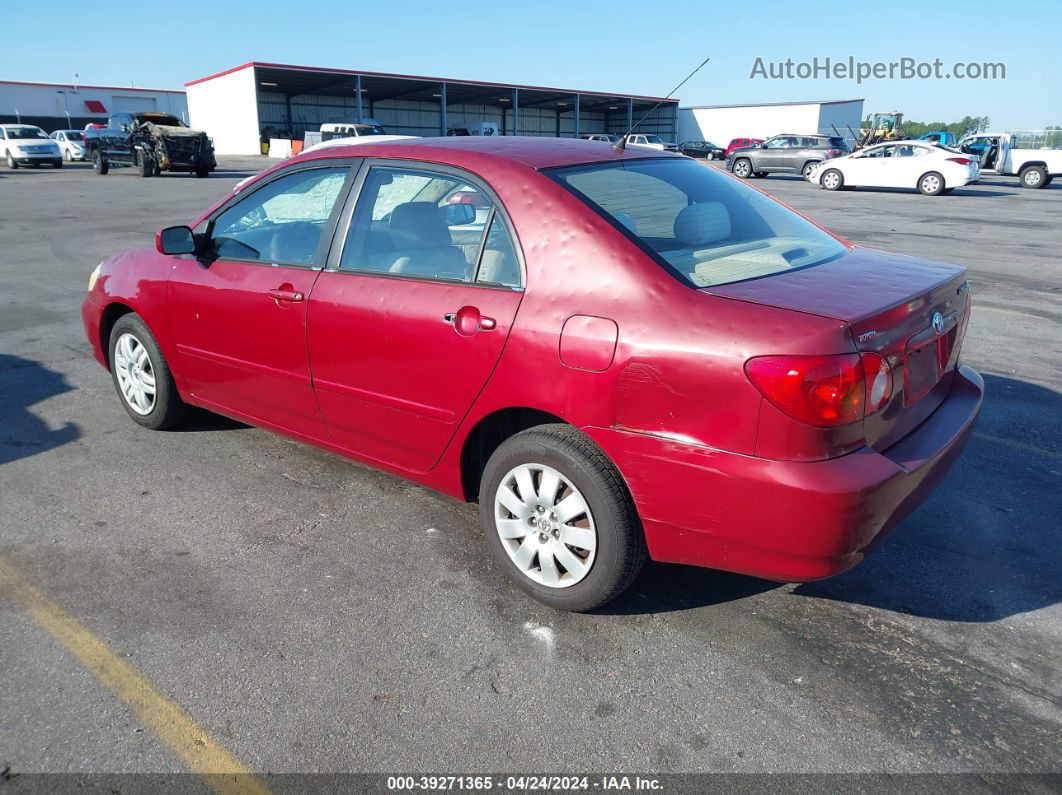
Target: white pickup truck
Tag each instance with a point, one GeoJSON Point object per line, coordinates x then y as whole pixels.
{"type": "Point", "coordinates": [1003, 153]}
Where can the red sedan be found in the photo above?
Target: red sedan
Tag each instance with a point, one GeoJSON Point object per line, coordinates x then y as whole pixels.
{"type": "Point", "coordinates": [617, 353]}
{"type": "Point", "coordinates": [740, 143]}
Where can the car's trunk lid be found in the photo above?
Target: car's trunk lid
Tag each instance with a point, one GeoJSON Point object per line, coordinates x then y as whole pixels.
{"type": "Point", "coordinates": [890, 303]}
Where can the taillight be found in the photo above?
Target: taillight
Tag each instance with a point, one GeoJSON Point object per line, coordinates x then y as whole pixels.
{"type": "Point", "coordinates": [834, 152]}
{"type": "Point", "coordinates": [824, 391]}
{"type": "Point", "coordinates": [962, 161]}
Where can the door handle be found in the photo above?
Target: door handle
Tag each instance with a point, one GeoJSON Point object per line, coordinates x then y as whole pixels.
{"type": "Point", "coordinates": [282, 294]}
{"type": "Point", "coordinates": [467, 321]}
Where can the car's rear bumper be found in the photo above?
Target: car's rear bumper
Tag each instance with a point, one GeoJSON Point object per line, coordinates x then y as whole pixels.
{"type": "Point", "coordinates": [791, 521]}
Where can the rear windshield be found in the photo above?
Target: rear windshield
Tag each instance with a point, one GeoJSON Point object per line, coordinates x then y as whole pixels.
{"type": "Point", "coordinates": [73, 135]}
{"type": "Point", "coordinates": [705, 226]}
{"type": "Point", "coordinates": [838, 143]}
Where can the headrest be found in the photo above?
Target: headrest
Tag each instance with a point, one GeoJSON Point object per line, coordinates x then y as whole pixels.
{"type": "Point", "coordinates": [418, 225]}
{"type": "Point", "coordinates": [703, 223]}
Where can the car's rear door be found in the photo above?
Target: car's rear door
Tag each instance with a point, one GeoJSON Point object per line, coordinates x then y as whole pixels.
{"type": "Point", "coordinates": [238, 312]}
{"type": "Point", "coordinates": [409, 318]}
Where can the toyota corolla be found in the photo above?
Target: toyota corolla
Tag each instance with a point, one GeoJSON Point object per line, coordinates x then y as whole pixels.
{"type": "Point", "coordinates": [617, 352]}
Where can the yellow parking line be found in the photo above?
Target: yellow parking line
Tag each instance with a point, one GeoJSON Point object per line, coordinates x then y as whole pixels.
{"type": "Point", "coordinates": [222, 771]}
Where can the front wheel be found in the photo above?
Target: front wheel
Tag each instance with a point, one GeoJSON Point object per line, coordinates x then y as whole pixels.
{"type": "Point", "coordinates": [743, 168]}
{"type": "Point", "coordinates": [11, 163]}
{"type": "Point", "coordinates": [559, 519]}
{"type": "Point", "coordinates": [1033, 177]}
{"type": "Point", "coordinates": [141, 376]}
{"type": "Point", "coordinates": [99, 165]}
{"type": "Point", "coordinates": [931, 184]}
{"type": "Point", "coordinates": [57, 164]}
{"type": "Point", "coordinates": [146, 163]}
{"type": "Point", "coordinates": [202, 173]}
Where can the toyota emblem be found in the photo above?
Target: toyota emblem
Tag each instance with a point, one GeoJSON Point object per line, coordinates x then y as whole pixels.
{"type": "Point", "coordinates": [938, 323]}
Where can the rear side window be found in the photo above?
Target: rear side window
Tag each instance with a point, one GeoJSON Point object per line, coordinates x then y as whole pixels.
{"type": "Point", "coordinates": [703, 226]}
{"type": "Point", "coordinates": [429, 224]}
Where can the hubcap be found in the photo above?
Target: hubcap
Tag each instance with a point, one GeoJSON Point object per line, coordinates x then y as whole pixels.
{"type": "Point", "coordinates": [1032, 178]}
{"type": "Point", "coordinates": [831, 180]}
{"type": "Point", "coordinates": [545, 525]}
{"type": "Point", "coordinates": [743, 169]}
{"type": "Point", "coordinates": [136, 376]}
{"type": "Point", "coordinates": [931, 184]}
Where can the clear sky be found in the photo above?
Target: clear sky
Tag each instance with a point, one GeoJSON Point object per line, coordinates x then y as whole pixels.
{"type": "Point", "coordinates": [607, 45]}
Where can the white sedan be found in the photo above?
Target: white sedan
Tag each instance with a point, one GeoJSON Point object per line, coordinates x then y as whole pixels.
{"type": "Point", "coordinates": [71, 144]}
{"type": "Point", "coordinates": [926, 167]}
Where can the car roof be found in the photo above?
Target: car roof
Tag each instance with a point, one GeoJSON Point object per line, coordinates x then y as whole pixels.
{"type": "Point", "coordinates": [470, 151]}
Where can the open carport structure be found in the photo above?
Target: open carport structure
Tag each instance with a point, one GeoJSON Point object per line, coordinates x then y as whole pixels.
{"type": "Point", "coordinates": [240, 106]}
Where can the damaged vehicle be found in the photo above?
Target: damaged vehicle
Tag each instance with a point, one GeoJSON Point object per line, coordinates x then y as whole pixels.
{"type": "Point", "coordinates": [153, 142]}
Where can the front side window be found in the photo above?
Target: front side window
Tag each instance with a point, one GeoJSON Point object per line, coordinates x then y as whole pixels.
{"type": "Point", "coordinates": [702, 225]}
{"type": "Point", "coordinates": [778, 143]}
{"type": "Point", "coordinates": [282, 221]}
{"type": "Point", "coordinates": [428, 224]}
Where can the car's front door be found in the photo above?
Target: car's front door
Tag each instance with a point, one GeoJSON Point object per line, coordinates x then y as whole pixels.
{"type": "Point", "coordinates": [238, 310]}
{"type": "Point", "coordinates": [772, 154]}
{"type": "Point", "coordinates": [411, 315]}
{"type": "Point", "coordinates": [871, 168]}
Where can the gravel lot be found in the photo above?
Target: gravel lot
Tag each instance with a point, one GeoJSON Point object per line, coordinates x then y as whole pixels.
{"type": "Point", "coordinates": [311, 614]}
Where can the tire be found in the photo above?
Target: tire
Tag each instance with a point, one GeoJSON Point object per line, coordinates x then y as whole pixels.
{"type": "Point", "coordinates": [1048, 180]}
{"type": "Point", "coordinates": [57, 164]}
{"type": "Point", "coordinates": [931, 183]}
{"type": "Point", "coordinates": [806, 170]}
{"type": "Point", "coordinates": [146, 163]}
{"type": "Point", "coordinates": [760, 174]}
{"type": "Point", "coordinates": [67, 156]}
{"type": "Point", "coordinates": [946, 191]}
{"type": "Point", "coordinates": [11, 162]}
{"type": "Point", "coordinates": [164, 409]}
{"type": "Point", "coordinates": [158, 170]}
{"type": "Point", "coordinates": [832, 179]}
{"type": "Point", "coordinates": [1033, 177]}
{"type": "Point", "coordinates": [99, 165]}
{"type": "Point", "coordinates": [743, 168]}
{"type": "Point", "coordinates": [202, 173]}
{"type": "Point", "coordinates": [609, 525]}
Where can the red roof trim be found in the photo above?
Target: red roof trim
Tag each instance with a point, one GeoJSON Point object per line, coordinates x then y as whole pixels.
{"type": "Point", "coordinates": [86, 85]}
{"type": "Point", "coordinates": [95, 106]}
{"type": "Point", "coordinates": [454, 81]}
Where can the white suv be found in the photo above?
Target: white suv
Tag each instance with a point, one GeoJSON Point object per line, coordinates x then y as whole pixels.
{"type": "Point", "coordinates": [652, 141]}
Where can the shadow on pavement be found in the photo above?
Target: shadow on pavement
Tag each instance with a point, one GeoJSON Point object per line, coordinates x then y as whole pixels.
{"type": "Point", "coordinates": [23, 383]}
{"type": "Point", "coordinates": [986, 545]}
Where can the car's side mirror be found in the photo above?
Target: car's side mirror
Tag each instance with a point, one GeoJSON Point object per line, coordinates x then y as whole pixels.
{"type": "Point", "coordinates": [459, 214]}
{"type": "Point", "coordinates": [175, 240]}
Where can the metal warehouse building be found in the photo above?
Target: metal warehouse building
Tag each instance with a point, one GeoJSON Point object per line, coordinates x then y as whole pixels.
{"type": "Point", "coordinates": [722, 123]}
{"type": "Point", "coordinates": [242, 106]}
{"type": "Point", "coordinates": [59, 106]}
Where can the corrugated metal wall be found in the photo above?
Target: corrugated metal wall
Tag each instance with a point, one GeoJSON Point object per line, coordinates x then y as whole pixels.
{"type": "Point", "coordinates": [412, 117]}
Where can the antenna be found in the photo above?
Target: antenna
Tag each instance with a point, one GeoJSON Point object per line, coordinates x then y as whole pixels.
{"type": "Point", "coordinates": [622, 142]}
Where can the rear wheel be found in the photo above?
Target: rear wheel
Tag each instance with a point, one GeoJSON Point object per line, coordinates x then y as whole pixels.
{"type": "Point", "coordinates": [141, 376]}
{"type": "Point", "coordinates": [1033, 177]}
{"type": "Point", "coordinates": [808, 168]}
{"type": "Point", "coordinates": [931, 184]}
{"type": "Point", "coordinates": [743, 168]}
{"type": "Point", "coordinates": [832, 180]}
{"type": "Point", "coordinates": [559, 519]}
{"type": "Point", "coordinates": [99, 165]}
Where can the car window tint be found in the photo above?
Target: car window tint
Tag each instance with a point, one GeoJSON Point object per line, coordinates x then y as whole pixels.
{"type": "Point", "coordinates": [498, 263]}
{"type": "Point", "coordinates": [282, 221]}
{"type": "Point", "coordinates": [416, 223]}
{"type": "Point", "coordinates": [641, 202]}
{"type": "Point", "coordinates": [701, 224]}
